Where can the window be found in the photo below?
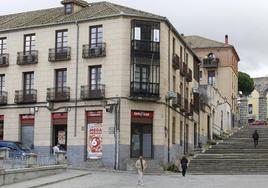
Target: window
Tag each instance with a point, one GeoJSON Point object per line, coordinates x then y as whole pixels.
{"type": "Point", "coordinates": [187, 58]}
{"type": "Point", "coordinates": [250, 108]}
{"type": "Point", "coordinates": [96, 36]}
{"type": "Point", "coordinates": [211, 78]}
{"type": "Point", "coordinates": [173, 130]}
{"type": "Point", "coordinates": [181, 53]}
{"type": "Point", "coordinates": [3, 45]}
{"type": "Point", "coordinates": [137, 33]}
{"type": "Point", "coordinates": [181, 133]}
{"type": "Point", "coordinates": [28, 82]}
{"type": "Point", "coordinates": [200, 75]}
{"type": "Point", "coordinates": [173, 45]}
{"type": "Point", "coordinates": [61, 78]}
{"type": "Point", "coordinates": [95, 77]}
{"type": "Point", "coordinates": [61, 41]}
{"type": "Point", "coordinates": [142, 76]}
{"type": "Point", "coordinates": [29, 43]}
{"type": "Point", "coordinates": [145, 31]}
{"type": "Point", "coordinates": [156, 35]}
{"type": "Point", "coordinates": [174, 83]}
{"type": "Point", "coordinates": [69, 8]}
{"type": "Point", "coordinates": [2, 83]}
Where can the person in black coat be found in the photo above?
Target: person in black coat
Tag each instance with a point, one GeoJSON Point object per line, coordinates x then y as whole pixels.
{"type": "Point", "coordinates": [184, 165]}
{"type": "Point", "coordinates": [255, 137]}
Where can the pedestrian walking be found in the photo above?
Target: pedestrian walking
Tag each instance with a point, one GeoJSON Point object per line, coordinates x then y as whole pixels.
{"type": "Point", "coordinates": [184, 165]}
{"type": "Point", "coordinates": [141, 166]}
{"type": "Point", "coordinates": [255, 137]}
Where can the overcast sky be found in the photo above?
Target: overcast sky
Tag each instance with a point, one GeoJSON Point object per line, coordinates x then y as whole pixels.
{"type": "Point", "coordinates": [245, 21]}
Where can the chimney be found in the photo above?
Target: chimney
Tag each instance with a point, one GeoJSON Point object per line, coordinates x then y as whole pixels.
{"type": "Point", "coordinates": [226, 39]}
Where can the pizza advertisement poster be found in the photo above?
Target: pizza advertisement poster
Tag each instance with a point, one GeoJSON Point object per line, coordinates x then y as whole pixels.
{"type": "Point", "coordinates": [94, 140]}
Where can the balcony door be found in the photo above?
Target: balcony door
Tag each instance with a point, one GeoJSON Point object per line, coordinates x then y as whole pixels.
{"type": "Point", "coordinates": [142, 78]}
{"type": "Point", "coordinates": [2, 83]}
{"type": "Point", "coordinates": [29, 44]}
{"type": "Point", "coordinates": [61, 83]}
{"type": "Point", "coordinates": [96, 36]}
{"type": "Point", "coordinates": [61, 44]}
{"type": "Point", "coordinates": [28, 82]}
{"type": "Point", "coordinates": [95, 78]}
{"type": "Point", "coordinates": [3, 45]}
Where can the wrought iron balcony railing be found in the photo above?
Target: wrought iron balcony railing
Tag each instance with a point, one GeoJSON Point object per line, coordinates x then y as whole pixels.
{"type": "Point", "coordinates": [144, 89]}
{"type": "Point", "coordinates": [176, 61]}
{"type": "Point", "coordinates": [210, 63]}
{"type": "Point", "coordinates": [27, 96]}
{"type": "Point", "coordinates": [189, 76]}
{"type": "Point", "coordinates": [59, 54]}
{"type": "Point", "coordinates": [58, 94]}
{"type": "Point", "coordinates": [92, 92]}
{"type": "Point", "coordinates": [94, 50]}
{"type": "Point", "coordinates": [27, 58]}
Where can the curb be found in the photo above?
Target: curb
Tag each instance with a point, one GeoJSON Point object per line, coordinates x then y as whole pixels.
{"type": "Point", "coordinates": [61, 180]}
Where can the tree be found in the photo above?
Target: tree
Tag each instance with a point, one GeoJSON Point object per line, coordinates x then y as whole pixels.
{"type": "Point", "coordinates": [245, 83]}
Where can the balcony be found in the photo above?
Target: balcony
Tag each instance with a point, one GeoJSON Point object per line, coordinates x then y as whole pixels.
{"type": "Point", "coordinates": [27, 96]}
{"type": "Point", "coordinates": [191, 111]}
{"type": "Point", "coordinates": [144, 90]}
{"type": "Point", "coordinates": [59, 54]}
{"type": "Point", "coordinates": [92, 92]}
{"type": "Point", "coordinates": [210, 63]}
{"type": "Point", "coordinates": [183, 69]}
{"type": "Point", "coordinates": [94, 50]}
{"type": "Point", "coordinates": [148, 49]}
{"type": "Point", "coordinates": [176, 102]}
{"type": "Point", "coordinates": [27, 58]}
{"type": "Point", "coordinates": [60, 94]}
{"type": "Point", "coordinates": [189, 76]}
{"type": "Point", "coordinates": [176, 62]}
{"type": "Point", "coordinates": [3, 97]}
{"type": "Point", "coordinates": [4, 60]}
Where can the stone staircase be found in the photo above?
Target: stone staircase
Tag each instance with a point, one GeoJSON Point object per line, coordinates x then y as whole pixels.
{"type": "Point", "coordinates": [235, 155]}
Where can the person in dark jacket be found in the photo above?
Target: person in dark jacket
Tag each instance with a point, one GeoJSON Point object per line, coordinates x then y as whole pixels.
{"type": "Point", "coordinates": [255, 137]}
{"type": "Point", "coordinates": [184, 165]}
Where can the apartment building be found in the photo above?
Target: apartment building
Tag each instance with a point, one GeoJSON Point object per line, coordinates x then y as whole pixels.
{"type": "Point", "coordinates": [106, 82]}
{"type": "Point", "coordinates": [218, 72]}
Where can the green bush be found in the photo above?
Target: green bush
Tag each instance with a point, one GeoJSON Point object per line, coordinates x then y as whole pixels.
{"type": "Point", "coordinates": [173, 168]}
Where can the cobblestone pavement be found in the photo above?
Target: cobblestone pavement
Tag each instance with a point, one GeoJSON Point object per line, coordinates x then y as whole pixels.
{"type": "Point", "coordinates": [124, 180]}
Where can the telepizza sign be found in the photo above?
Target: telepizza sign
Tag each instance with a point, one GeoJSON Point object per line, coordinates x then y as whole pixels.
{"type": "Point", "coordinates": [142, 114]}
{"type": "Point", "coordinates": [94, 141]}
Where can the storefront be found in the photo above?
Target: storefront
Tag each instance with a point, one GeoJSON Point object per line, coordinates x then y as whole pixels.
{"type": "Point", "coordinates": [1, 127]}
{"type": "Point", "coordinates": [141, 134]}
{"type": "Point", "coordinates": [59, 132]}
{"type": "Point", "coordinates": [27, 129]}
{"type": "Point", "coordinates": [94, 134]}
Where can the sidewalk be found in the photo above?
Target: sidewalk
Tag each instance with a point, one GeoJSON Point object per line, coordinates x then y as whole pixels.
{"type": "Point", "coordinates": [68, 175]}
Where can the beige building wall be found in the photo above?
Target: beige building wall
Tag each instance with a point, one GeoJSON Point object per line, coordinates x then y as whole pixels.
{"type": "Point", "coordinates": [254, 100]}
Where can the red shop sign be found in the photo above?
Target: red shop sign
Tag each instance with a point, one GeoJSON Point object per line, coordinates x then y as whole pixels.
{"type": "Point", "coordinates": [62, 115]}
{"type": "Point", "coordinates": [142, 114]}
{"type": "Point", "coordinates": [94, 114]}
{"type": "Point", "coordinates": [27, 117]}
{"type": "Point", "coordinates": [1, 117]}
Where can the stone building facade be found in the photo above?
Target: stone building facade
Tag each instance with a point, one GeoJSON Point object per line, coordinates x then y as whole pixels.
{"type": "Point", "coordinates": [106, 82]}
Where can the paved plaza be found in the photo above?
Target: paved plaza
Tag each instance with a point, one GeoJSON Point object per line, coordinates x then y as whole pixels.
{"type": "Point", "coordinates": [82, 179]}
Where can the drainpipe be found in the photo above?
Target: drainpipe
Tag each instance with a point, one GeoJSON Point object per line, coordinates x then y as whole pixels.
{"type": "Point", "coordinates": [117, 133]}
{"type": "Point", "coordinates": [168, 90]}
{"type": "Point", "coordinates": [76, 78]}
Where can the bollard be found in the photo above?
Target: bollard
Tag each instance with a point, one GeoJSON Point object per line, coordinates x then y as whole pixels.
{"type": "Point", "coordinates": [60, 157]}
{"type": "Point", "coordinates": [31, 160]}
{"type": "Point", "coordinates": [4, 152]}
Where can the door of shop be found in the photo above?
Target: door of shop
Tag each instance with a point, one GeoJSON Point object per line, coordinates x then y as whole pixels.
{"type": "Point", "coordinates": [60, 130]}
{"type": "Point", "coordinates": [27, 130]}
{"type": "Point", "coordinates": [142, 134]}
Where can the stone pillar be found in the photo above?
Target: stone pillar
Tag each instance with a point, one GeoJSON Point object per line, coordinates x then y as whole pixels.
{"type": "Point", "coordinates": [262, 107]}
{"type": "Point", "coordinates": [61, 157]}
{"type": "Point", "coordinates": [31, 160]}
{"type": "Point", "coordinates": [243, 111]}
{"type": "Point", "coordinates": [4, 153]}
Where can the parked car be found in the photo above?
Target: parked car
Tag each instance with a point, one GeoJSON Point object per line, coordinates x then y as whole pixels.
{"type": "Point", "coordinates": [16, 149]}
{"type": "Point", "coordinates": [259, 122]}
